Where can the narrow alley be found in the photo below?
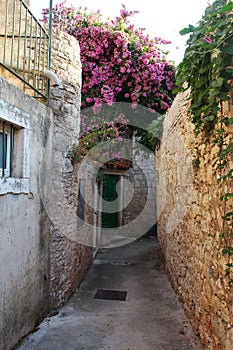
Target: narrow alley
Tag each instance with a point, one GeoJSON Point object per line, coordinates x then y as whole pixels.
{"type": "Point", "coordinates": [150, 318]}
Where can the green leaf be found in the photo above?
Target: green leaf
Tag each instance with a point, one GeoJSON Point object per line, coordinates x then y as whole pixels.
{"type": "Point", "coordinates": [187, 30]}
{"type": "Point", "coordinates": [222, 165]}
{"type": "Point", "coordinates": [229, 175]}
{"type": "Point", "coordinates": [228, 121]}
{"type": "Point", "coordinates": [229, 69]}
{"type": "Point", "coordinates": [181, 80]}
{"type": "Point", "coordinates": [217, 83]}
{"type": "Point", "coordinates": [227, 151]}
{"type": "Point", "coordinates": [226, 8]}
{"type": "Point", "coordinates": [229, 265]}
{"type": "Point", "coordinates": [228, 216]}
{"type": "Point", "coordinates": [210, 118]}
{"type": "Point", "coordinates": [228, 251]}
{"type": "Point", "coordinates": [212, 94]}
{"type": "Point", "coordinates": [226, 196]}
{"type": "Point", "coordinates": [223, 96]}
{"type": "Point", "coordinates": [201, 81]}
{"type": "Point", "coordinates": [222, 235]}
{"type": "Point", "coordinates": [227, 49]}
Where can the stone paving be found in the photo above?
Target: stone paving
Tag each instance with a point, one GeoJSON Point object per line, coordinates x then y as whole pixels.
{"type": "Point", "coordinates": [151, 317]}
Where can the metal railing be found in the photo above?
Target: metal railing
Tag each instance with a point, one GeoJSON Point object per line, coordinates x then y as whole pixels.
{"type": "Point", "coordinates": [24, 47]}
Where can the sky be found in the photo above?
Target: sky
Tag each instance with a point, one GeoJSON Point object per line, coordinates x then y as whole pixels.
{"type": "Point", "coordinates": [163, 18]}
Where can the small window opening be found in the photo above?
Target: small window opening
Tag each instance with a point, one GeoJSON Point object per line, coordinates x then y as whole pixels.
{"type": "Point", "coordinates": [6, 148]}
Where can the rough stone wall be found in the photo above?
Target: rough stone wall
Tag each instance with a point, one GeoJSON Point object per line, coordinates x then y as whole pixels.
{"type": "Point", "coordinates": [69, 260]}
{"type": "Point", "coordinates": [88, 232]}
{"type": "Point", "coordinates": [189, 226]}
{"type": "Point", "coordinates": [142, 179]}
{"type": "Point", "coordinates": [41, 262]}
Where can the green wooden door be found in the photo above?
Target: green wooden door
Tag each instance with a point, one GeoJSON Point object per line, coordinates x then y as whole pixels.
{"type": "Point", "coordinates": [110, 201]}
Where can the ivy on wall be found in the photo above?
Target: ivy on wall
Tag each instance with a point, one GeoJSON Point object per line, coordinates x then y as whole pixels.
{"type": "Point", "coordinates": [207, 70]}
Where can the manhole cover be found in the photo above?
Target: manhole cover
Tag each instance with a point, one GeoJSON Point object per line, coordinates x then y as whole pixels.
{"type": "Point", "coordinates": [110, 294]}
{"type": "Point", "coordinates": [120, 262]}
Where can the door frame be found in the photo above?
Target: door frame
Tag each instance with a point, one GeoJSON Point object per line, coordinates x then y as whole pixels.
{"type": "Point", "coordinates": [121, 174]}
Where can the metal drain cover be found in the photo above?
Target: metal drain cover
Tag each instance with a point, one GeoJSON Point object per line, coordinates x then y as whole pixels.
{"type": "Point", "coordinates": [120, 262]}
{"type": "Point", "coordinates": [110, 294]}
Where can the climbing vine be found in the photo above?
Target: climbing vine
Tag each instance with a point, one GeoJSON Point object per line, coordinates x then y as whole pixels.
{"type": "Point", "coordinates": [206, 71]}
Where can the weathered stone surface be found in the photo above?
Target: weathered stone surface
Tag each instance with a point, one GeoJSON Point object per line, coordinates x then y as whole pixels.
{"type": "Point", "coordinates": [139, 197]}
{"type": "Point", "coordinates": [189, 226]}
{"type": "Point", "coordinates": [41, 263]}
{"type": "Point", "coordinates": [65, 62]}
{"type": "Point", "coordinates": [69, 259]}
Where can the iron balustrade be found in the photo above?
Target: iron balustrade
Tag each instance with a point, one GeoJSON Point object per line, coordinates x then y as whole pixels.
{"type": "Point", "coordinates": [24, 47]}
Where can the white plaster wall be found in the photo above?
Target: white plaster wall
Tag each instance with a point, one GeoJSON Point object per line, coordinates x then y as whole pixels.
{"type": "Point", "coordinates": [40, 265]}
{"type": "Point", "coordinates": [24, 235]}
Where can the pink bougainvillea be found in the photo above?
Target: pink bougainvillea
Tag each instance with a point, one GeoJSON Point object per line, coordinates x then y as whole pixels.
{"type": "Point", "coordinates": [120, 63]}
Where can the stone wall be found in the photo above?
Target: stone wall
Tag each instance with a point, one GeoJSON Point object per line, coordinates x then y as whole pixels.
{"type": "Point", "coordinates": [68, 258]}
{"type": "Point", "coordinates": [142, 179]}
{"type": "Point", "coordinates": [189, 226]}
{"type": "Point", "coordinates": [41, 262]}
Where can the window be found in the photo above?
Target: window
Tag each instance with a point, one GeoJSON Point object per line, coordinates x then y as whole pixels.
{"type": "Point", "coordinates": [6, 148]}
{"type": "Point", "coordinates": [15, 134]}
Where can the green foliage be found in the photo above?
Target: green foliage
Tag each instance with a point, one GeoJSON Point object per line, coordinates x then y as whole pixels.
{"type": "Point", "coordinates": [206, 71]}
{"type": "Point", "coordinates": [228, 251]}
{"type": "Point", "coordinates": [207, 64]}
{"type": "Point", "coordinates": [226, 196]}
{"type": "Point", "coordinates": [94, 143]}
{"type": "Point", "coordinates": [150, 138]}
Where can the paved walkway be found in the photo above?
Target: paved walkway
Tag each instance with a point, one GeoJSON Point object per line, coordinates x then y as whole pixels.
{"type": "Point", "coordinates": [151, 317]}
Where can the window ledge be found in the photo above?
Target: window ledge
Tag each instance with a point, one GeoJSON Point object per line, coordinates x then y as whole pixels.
{"type": "Point", "coordinates": [13, 185]}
